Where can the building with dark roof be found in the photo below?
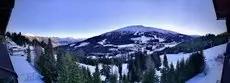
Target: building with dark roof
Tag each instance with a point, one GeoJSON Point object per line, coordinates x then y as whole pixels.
{"type": "Point", "coordinates": [7, 73]}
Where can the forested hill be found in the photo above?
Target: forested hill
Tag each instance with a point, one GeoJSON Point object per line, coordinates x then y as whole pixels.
{"type": "Point", "coordinates": [197, 44]}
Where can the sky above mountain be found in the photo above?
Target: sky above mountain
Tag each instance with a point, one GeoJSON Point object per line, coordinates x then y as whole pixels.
{"type": "Point", "coordinates": [87, 18]}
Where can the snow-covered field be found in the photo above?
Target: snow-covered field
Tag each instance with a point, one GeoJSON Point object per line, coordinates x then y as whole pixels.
{"type": "Point", "coordinates": [214, 65]}
{"type": "Point", "coordinates": [114, 69]}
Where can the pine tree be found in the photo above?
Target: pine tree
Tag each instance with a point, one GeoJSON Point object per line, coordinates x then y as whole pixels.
{"type": "Point", "coordinates": [171, 74]}
{"type": "Point", "coordinates": [113, 78]}
{"type": "Point", "coordinates": [105, 71]}
{"type": "Point", "coordinates": [63, 68]}
{"type": "Point", "coordinates": [138, 66]}
{"type": "Point", "coordinates": [35, 42]}
{"type": "Point", "coordinates": [165, 62]}
{"type": "Point", "coordinates": [125, 79]}
{"type": "Point", "coordinates": [202, 61]}
{"type": "Point", "coordinates": [90, 78]}
{"type": "Point", "coordinates": [134, 72]}
{"type": "Point", "coordinates": [194, 65]}
{"type": "Point", "coordinates": [183, 71]}
{"type": "Point", "coordinates": [177, 73]}
{"type": "Point", "coordinates": [28, 58]}
{"type": "Point", "coordinates": [8, 34]}
{"type": "Point", "coordinates": [120, 70]}
{"type": "Point", "coordinates": [149, 76]}
{"type": "Point", "coordinates": [165, 71]}
{"type": "Point", "coordinates": [164, 76]}
{"type": "Point", "coordinates": [20, 41]}
{"type": "Point", "coordinates": [84, 75]}
{"type": "Point", "coordinates": [76, 74]}
{"type": "Point", "coordinates": [68, 70]}
{"type": "Point", "coordinates": [43, 44]}
{"type": "Point", "coordinates": [49, 70]}
{"type": "Point", "coordinates": [96, 75]}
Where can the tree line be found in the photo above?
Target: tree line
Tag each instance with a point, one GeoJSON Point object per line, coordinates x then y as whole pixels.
{"type": "Point", "coordinates": [197, 44]}
{"type": "Point", "coordinates": [184, 70]}
{"type": "Point", "coordinates": [66, 70]}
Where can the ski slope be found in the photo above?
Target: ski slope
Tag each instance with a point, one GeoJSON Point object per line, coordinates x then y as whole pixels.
{"type": "Point", "coordinates": [214, 64]}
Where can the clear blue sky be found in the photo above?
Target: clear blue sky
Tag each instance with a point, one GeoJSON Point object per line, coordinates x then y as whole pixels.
{"type": "Point", "coordinates": [87, 18]}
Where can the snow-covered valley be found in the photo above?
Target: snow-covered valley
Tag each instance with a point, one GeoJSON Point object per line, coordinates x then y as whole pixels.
{"type": "Point", "coordinates": [121, 52]}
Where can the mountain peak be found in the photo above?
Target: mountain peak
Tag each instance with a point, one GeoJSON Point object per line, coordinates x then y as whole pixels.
{"type": "Point", "coordinates": [141, 28]}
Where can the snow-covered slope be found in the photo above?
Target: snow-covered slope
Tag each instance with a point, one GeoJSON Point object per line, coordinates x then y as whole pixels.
{"type": "Point", "coordinates": [141, 28]}
{"type": "Point", "coordinates": [213, 61]}
{"type": "Point", "coordinates": [214, 64]}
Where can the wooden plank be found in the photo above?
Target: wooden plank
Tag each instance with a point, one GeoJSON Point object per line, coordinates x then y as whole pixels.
{"type": "Point", "coordinates": [221, 8]}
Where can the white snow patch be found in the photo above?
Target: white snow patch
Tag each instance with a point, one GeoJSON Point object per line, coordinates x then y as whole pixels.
{"type": "Point", "coordinates": [136, 33]}
{"type": "Point", "coordinates": [125, 69]}
{"type": "Point", "coordinates": [82, 44]}
{"type": "Point", "coordinates": [141, 28]}
{"type": "Point", "coordinates": [159, 49]}
{"type": "Point", "coordinates": [102, 77]}
{"type": "Point", "coordinates": [125, 45]}
{"type": "Point", "coordinates": [114, 69]}
{"type": "Point", "coordinates": [172, 44]}
{"type": "Point", "coordinates": [71, 45]}
{"type": "Point", "coordinates": [160, 39]}
{"type": "Point", "coordinates": [102, 42]}
{"type": "Point", "coordinates": [143, 39]}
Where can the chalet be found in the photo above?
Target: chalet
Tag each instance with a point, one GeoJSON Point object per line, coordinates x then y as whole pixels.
{"type": "Point", "coordinates": [16, 51]}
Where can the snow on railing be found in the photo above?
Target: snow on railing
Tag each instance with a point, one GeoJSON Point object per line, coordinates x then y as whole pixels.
{"type": "Point", "coordinates": [29, 76]}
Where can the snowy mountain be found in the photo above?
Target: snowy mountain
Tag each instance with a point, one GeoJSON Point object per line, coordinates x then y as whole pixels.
{"type": "Point", "coordinates": [56, 40]}
{"type": "Point", "coordinates": [128, 40]}
{"type": "Point", "coordinates": [65, 41]}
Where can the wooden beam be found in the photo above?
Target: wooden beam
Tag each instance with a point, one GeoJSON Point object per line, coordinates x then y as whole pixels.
{"type": "Point", "coordinates": [6, 7]}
